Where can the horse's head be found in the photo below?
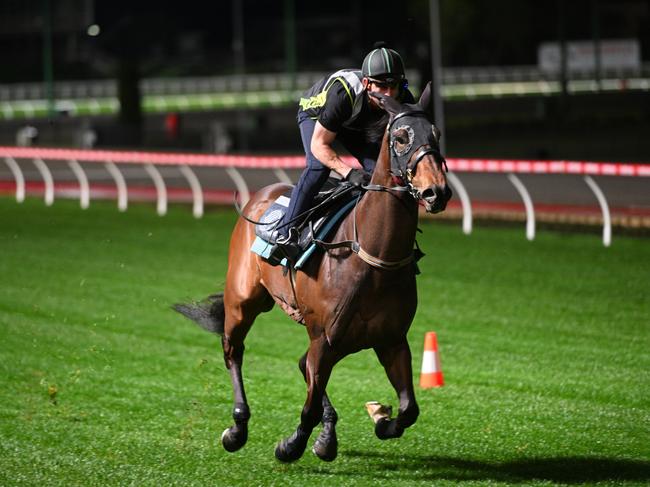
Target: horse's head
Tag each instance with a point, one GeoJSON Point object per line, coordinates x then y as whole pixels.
{"type": "Point", "coordinates": [415, 157]}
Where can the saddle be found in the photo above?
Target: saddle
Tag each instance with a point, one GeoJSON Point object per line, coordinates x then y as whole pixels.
{"type": "Point", "coordinates": [330, 205]}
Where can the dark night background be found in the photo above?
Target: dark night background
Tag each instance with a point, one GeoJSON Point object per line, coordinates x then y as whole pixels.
{"type": "Point", "coordinates": [192, 38]}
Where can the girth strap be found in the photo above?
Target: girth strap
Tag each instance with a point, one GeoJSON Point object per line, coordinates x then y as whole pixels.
{"type": "Point", "coordinates": [383, 264]}
{"type": "Point", "coordinates": [356, 247]}
{"type": "Point", "coordinates": [365, 256]}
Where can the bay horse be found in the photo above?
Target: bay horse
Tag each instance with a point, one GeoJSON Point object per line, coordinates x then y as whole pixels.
{"type": "Point", "coordinates": [357, 296]}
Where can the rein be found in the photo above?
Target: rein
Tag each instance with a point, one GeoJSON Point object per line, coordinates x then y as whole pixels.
{"type": "Point", "coordinates": [331, 197]}
{"type": "Point", "coordinates": [406, 173]}
{"type": "Point", "coordinates": [355, 246]}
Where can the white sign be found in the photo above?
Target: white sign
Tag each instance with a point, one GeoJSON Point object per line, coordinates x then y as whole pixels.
{"type": "Point", "coordinates": [614, 54]}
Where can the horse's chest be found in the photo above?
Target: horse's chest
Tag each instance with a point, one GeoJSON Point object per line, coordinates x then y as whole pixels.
{"type": "Point", "coordinates": [366, 311]}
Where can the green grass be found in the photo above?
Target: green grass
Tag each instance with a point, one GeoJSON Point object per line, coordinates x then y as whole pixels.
{"type": "Point", "coordinates": [545, 347]}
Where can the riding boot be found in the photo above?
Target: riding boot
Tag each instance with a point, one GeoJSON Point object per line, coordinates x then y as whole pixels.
{"type": "Point", "coordinates": [287, 246]}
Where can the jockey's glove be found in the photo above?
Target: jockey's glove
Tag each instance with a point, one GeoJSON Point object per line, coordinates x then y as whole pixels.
{"type": "Point", "coordinates": [358, 177]}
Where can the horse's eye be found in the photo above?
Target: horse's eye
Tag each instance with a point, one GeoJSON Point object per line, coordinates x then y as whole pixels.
{"type": "Point", "coordinates": [402, 139]}
{"type": "Point", "coordinates": [401, 136]}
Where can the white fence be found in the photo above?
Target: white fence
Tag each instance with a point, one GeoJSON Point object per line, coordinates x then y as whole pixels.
{"type": "Point", "coordinates": [117, 164]}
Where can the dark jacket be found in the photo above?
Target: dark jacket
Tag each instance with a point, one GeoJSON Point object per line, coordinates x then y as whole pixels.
{"type": "Point", "coordinates": [340, 103]}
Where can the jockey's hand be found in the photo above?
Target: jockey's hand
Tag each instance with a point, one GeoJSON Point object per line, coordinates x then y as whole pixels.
{"type": "Point", "coordinates": [358, 177]}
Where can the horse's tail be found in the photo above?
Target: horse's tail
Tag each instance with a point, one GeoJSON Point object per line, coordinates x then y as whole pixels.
{"type": "Point", "coordinates": [208, 314]}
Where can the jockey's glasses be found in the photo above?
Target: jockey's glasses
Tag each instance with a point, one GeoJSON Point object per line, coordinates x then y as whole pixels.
{"type": "Point", "coordinates": [386, 83]}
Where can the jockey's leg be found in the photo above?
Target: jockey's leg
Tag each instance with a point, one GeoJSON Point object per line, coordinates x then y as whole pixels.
{"type": "Point", "coordinates": [368, 164]}
{"type": "Point", "coordinates": [311, 180]}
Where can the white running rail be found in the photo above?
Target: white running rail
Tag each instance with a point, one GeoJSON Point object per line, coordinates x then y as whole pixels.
{"type": "Point", "coordinates": [528, 204]}
{"type": "Point", "coordinates": [116, 163]}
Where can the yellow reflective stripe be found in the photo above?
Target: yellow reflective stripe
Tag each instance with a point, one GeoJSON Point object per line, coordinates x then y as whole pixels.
{"type": "Point", "coordinates": [314, 102]}
{"type": "Point", "coordinates": [347, 90]}
{"type": "Point", "coordinates": [318, 101]}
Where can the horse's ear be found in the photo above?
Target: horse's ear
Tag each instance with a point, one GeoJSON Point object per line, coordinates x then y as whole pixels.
{"type": "Point", "coordinates": [425, 99]}
{"type": "Point", "coordinates": [392, 106]}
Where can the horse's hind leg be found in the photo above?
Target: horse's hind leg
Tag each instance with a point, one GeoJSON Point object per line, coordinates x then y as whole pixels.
{"type": "Point", "coordinates": [320, 360]}
{"type": "Point", "coordinates": [397, 363]}
{"type": "Point", "coordinates": [326, 445]}
{"type": "Point", "coordinates": [239, 316]}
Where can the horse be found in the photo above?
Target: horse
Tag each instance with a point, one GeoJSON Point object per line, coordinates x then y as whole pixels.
{"type": "Point", "coordinates": [357, 296]}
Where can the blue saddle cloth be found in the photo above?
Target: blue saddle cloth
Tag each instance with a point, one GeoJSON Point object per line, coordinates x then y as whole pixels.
{"type": "Point", "coordinates": [319, 228]}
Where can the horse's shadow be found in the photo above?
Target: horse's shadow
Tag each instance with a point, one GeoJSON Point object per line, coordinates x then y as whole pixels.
{"type": "Point", "coordinates": [568, 470]}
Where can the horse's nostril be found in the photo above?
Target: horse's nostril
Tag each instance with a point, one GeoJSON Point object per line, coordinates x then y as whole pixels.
{"type": "Point", "coordinates": [429, 194]}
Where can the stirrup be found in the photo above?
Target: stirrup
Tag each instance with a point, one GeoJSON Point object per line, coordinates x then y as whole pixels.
{"type": "Point", "coordinates": [291, 237]}
{"type": "Point", "coordinates": [286, 246]}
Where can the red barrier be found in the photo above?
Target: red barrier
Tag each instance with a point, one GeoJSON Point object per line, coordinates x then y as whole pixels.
{"type": "Point", "coordinates": [162, 158]}
{"type": "Point", "coordinates": [297, 162]}
{"type": "Point", "coordinates": [550, 167]}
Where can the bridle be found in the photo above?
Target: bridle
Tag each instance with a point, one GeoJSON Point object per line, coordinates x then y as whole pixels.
{"type": "Point", "coordinates": [404, 163]}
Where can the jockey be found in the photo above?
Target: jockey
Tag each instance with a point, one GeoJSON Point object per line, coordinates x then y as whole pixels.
{"type": "Point", "coordinates": [338, 109]}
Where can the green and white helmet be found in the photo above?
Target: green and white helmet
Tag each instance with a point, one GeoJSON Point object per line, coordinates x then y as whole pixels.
{"type": "Point", "coordinates": [382, 63]}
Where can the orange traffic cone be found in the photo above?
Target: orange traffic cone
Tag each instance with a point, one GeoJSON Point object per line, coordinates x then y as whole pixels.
{"type": "Point", "coordinates": [431, 374]}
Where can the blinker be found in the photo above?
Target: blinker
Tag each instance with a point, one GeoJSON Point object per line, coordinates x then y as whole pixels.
{"type": "Point", "coordinates": [402, 160]}
{"type": "Point", "coordinates": [401, 157]}
{"type": "Point", "coordinates": [409, 143]}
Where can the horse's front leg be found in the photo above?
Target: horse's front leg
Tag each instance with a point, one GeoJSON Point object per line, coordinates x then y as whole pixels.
{"type": "Point", "coordinates": [397, 363]}
{"type": "Point", "coordinates": [326, 445]}
{"type": "Point", "coordinates": [319, 363]}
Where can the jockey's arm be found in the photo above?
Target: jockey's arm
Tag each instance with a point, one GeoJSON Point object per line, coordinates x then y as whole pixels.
{"type": "Point", "coordinates": [321, 147]}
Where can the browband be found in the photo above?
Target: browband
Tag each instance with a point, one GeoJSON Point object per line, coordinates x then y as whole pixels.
{"type": "Point", "coordinates": [409, 113]}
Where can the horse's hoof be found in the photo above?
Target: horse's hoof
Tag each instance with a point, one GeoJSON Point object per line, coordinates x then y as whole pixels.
{"type": "Point", "coordinates": [292, 448]}
{"type": "Point", "coordinates": [326, 451]}
{"type": "Point", "coordinates": [286, 454]}
{"type": "Point", "coordinates": [233, 440]}
{"type": "Point", "coordinates": [386, 429]}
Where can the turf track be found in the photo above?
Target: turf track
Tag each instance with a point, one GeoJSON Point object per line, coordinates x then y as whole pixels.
{"type": "Point", "coordinates": [545, 348]}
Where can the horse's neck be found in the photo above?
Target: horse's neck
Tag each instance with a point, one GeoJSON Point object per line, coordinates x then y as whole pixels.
{"type": "Point", "coordinates": [382, 174]}
{"type": "Point", "coordinates": [387, 221]}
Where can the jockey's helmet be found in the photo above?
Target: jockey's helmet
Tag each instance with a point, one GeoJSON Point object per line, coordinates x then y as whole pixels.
{"type": "Point", "coordinates": [383, 63]}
